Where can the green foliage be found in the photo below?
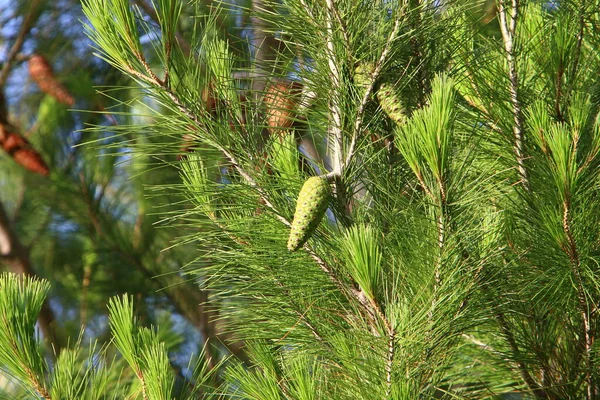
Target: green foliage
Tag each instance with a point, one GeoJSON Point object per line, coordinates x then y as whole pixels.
{"type": "Point", "coordinates": [141, 348]}
{"type": "Point", "coordinates": [80, 373]}
{"type": "Point", "coordinates": [363, 258]}
{"type": "Point", "coordinates": [455, 146]}
{"type": "Point", "coordinates": [21, 299]}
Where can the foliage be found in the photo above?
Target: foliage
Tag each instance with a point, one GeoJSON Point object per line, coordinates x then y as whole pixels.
{"type": "Point", "coordinates": [458, 255]}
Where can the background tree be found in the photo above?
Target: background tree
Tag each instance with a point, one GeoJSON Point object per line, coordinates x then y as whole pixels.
{"type": "Point", "coordinates": [77, 215]}
{"type": "Point", "coordinates": [452, 149]}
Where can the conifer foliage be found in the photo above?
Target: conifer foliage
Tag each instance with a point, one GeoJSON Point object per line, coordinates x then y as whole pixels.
{"type": "Point", "coordinates": [439, 195]}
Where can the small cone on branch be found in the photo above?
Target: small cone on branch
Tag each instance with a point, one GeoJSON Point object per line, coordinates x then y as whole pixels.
{"type": "Point", "coordinates": [281, 102]}
{"type": "Point", "coordinates": [362, 75]}
{"type": "Point", "coordinates": [390, 103]}
{"type": "Point", "coordinates": [22, 152]}
{"type": "Point", "coordinates": [310, 208]}
{"type": "Point", "coordinates": [42, 74]}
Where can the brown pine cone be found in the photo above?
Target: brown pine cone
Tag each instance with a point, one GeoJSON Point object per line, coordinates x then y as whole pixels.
{"type": "Point", "coordinates": [23, 153]}
{"type": "Point", "coordinates": [281, 101]}
{"type": "Point", "coordinates": [42, 74]}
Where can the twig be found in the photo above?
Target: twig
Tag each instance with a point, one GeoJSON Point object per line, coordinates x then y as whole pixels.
{"type": "Point", "coordinates": [508, 30]}
{"type": "Point", "coordinates": [343, 28]}
{"type": "Point", "coordinates": [374, 76]}
{"type": "Point", "coordinates": [586, 336]}
{"type": "Point", "coordinates": [140, 375]}
{"type": "Point", "coordinates": [481, 344]}
{"type": "Point", "coordinates": [335, 126]}
{"type": "Point", "coordinates": [390, 362]}
{"type": "Point", "coordinates": [16, 47]}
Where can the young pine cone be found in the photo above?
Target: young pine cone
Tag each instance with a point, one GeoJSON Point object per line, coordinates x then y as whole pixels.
{"type": "Point", "coordinates": [390, 103]}
{"type": "Point", "coordinates": [21, 151]}
{"type": "Point", "coordinates": [281, 102]}
{"type": "Point", "coordinates": [362, 75]}
{"type": "Point", "coordinates": [42, 74]}
{"type": "Point", "coordinates": [310, 208]}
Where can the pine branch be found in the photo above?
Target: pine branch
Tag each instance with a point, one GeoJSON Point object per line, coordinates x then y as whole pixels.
{"type": "Point", "coordinates": [335, 125]}
{"type": "Point", "coordinates": [351, 292]}
{"type": "Point", "coordinates": [391, 351]}
{"type": "Point", "coordinates": [508, 29]}
{"type": "Point", "coordinates": [586, 336]}
{"type": "Point", "coordinates": [26, 27]}
{"type": "Point", "coordinates": [370, 86]}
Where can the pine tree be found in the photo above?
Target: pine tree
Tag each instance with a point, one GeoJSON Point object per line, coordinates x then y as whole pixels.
{"type": "Point", "coordinates": [78, 215]}
{"type": "Point", "coordinates": [453, 150]}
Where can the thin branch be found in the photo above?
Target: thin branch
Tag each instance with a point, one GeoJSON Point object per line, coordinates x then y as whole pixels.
{"type": "Point", "coordinates": [587, 335]}
{"type": "Point", "coordinates": [508, 29]}
{"type": "Point", "coordinates": [390, 362]}
{"type": "Point", "coordinates": [343, 28]}
{"type": "Point", "coordinates": [335, 126]}
{"type": "Point", "coordinates": [366, 96]}
{"type": "Point", "coordinates": [140, 375]}
{"type": "Point", "coordinates": [481, 345]}
{"type": "Point", "coordinates": [26, 26]}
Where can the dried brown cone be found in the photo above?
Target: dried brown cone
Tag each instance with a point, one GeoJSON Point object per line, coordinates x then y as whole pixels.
{"type": "Point", "coordinates": [22, 152]}
{"type": "Point", "coordinates": [281, 102]}
{"type": "Point", "coordinates": [42, 74]}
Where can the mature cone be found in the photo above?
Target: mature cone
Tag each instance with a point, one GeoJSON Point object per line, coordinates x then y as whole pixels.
{"type": "Point", "coordinates": [390, 103]}
{"type": "Point", "coordinates": [281, 101]}
{"type": "Point", "coordinates": [21, 151]}
{"type": "Point", "coordinates": [41, 72]}
{"type": "Point", "coordinates": [310, 208]}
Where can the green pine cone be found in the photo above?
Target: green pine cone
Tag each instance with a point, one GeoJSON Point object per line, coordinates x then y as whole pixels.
{"type": "Point", "coordinates": [310, 208]}
{"type": "Point", "coordinates": [390, 103]}
{"type": "Point", "coordinates": [362, 75]}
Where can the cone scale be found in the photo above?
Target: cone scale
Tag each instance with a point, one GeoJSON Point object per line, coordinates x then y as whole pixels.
{"type": "Point", "coordinates": [390, 103]}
